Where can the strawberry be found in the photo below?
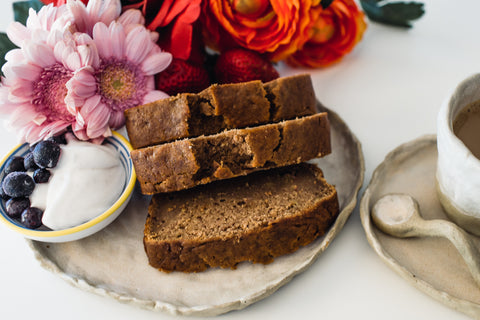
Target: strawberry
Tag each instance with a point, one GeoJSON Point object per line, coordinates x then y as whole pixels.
{"type": "Point", "coordinates": [240, 65]}
{"type": "Point", "coordinates": [182, 76]}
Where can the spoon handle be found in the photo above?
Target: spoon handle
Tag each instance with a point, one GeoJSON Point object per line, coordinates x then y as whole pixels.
{"type": "Point", "coordinates": [460, 239]}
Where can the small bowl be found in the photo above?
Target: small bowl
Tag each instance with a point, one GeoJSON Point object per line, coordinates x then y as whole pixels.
{"type": "Point", "coordinates": [89, 227]}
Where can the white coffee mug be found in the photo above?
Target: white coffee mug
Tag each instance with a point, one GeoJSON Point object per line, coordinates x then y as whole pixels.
{"type": "Point", "coordinates": [458, 170]}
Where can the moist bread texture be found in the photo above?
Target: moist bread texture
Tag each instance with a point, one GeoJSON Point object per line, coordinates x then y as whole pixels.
{"type": "Point", "coordinates": [186, 163]}
{"type": "Point", "coordinates": [252, 218]}
{"type": "Point", "coordinates": [220, 107]}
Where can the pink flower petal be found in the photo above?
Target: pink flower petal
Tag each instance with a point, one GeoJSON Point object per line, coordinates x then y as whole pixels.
{"type": "Point", "coordinates": [57, 18]}
{"type": "Point", "coordinates": [154, 36]}
{"type": "Point", "coordinates": [82, 82]}
{"type": "Point", "coordinates": [59, 51]}
{"type": "Point", "coordinates": [73, 61]}
{"type": "Point", "coordinates": [150, 83]}
{"type": "Point", "coordinates": [110, 11]}
{"type": "Point", "coordinates": [90, 105]}
{"type": "Point", "coordinates": [82, 38]}
{"type": "Point", "coordinates": [54, 37]}
{"type": "Point", "coordinates": [80, 122]}
{"type": "Point", "coordinates": [54, 128]}
{"type": "Point", "coordinates": [156, 63]}
{"type": "Point", "coordinates": [89, 55]}
{"type": "Point", "coordinates": [33, 21]}
{"type": "Point", "coordinates": [131, 16]}
{"type": "Point", "coordinates": [154, 96]}
{"type": "Point", "coordinates": [39, 35]}
{"type": "Point", "coordinates": [84, 77]}
{"type": "Point", "coordinates": [10, 76]}
{"type": "Point", "coordinates": [21, 91]}
{"type": "Point", "coordinates": [39, 119]}
{"type": "Point", "coordinates": [138, 45]}
{"type": "Point", "coordinates": [94, 7]}
{"type": "Point", "coordinates": [31, 133]}
{"type": "Point", "coordinates": [18, 33]}
{"type": "Point", "coordinates": [117, 119]}
{"type": "Point", "coordinates": [27, 71]}
{"type": "Point", "coordinates": [22, 115]}
{"type": "Point", "coordinates": [84, 86]}
{"type": "Point", "coordinates": [3, 97]}
{"type": "Point", "coordinates": [15, 56]}
{"type": "Point", "coordinates": [97, 120]}
{"type": "Point", "coordinates": [79, 14]}
{"type": "Point", "coordinates": [80, 133]}
{"type": "Point", "coordinates": [40, 53]}
{"type": "Point", "coordinates": [100, 33]}
{"type": "Point", "coordinates": [117, 39]}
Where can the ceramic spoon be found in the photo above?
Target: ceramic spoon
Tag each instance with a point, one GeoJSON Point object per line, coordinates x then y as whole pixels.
{"type": "Point", "coordinates": [399, 215]}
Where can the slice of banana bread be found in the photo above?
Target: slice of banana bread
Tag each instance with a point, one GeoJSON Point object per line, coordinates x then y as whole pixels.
{"type": "Point", "coordinates": [186, 163]}
{"type": "Point", "coordinates": [220, 107]}
{"type": "Point", "coordinates": [252, 218]}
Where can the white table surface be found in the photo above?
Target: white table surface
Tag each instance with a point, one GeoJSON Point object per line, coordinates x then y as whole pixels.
{"type": "Point", "coordinates": [388, 91]}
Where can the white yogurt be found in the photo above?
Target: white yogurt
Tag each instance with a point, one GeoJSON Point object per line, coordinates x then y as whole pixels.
{"type": "Point", "coordinates": [87, 180]}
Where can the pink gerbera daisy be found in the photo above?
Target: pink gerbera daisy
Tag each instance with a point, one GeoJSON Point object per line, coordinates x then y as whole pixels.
{"type": "Point", "coordinates": [33, 89]}
{"type": "Point", "coordinates": [122, 77]}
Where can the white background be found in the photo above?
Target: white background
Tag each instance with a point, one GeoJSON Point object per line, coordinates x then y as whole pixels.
{"type": "Point", "coordinates": [388, 91]}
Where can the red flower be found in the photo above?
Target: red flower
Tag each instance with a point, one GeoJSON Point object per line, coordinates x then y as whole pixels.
{"type": "Point", "coordinates": [174, 20]}
{"type": "Point", "coordinates": [334, 33]}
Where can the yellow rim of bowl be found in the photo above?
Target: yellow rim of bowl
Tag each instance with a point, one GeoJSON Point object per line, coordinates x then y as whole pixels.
{"type": "Point", "coordinates": [58, 233]}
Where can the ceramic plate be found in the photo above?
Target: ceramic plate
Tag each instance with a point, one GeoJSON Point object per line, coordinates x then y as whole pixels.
{"type": "Point", "coordinates": [433, 265]}
{"type": "Point", "coordinates": [113, 261]}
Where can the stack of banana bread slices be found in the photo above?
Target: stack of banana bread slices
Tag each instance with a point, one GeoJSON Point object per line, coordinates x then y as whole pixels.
{"type": "Point", "coordinates": [226, 168]}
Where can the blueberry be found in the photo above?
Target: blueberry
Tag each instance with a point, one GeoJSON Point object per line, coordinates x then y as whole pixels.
{"type": "Point", "coordinates": [41, 175]}
{"type": "Point", "coordinates": [3, 195]}
{"type": "Point", "coordinates": [60, 139]}
{"type": "Point", "coordinates": [18, 184]}
{"type": "Point", "coordinates": [46, 154]}
{"type": "Point", "coordinates": [32, 146]}
{"type": "Point", "coordinates": [15, 206]}
{"type": "Point", "coordinates": [14, 164]}
{"type": "Point", "coordinates": [32, 218]}
{"type": "Point", "coordinates": [29, 162]}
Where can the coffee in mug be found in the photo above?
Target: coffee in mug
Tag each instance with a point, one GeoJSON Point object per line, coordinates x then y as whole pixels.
{"type": "Point", "coordinates": [466, 127]}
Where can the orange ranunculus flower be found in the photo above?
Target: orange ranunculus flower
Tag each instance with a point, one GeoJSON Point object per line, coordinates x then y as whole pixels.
{"type": "Point", "coordinates": [334, 34]}
{"type": "Point", "coordinates": [276, 28]}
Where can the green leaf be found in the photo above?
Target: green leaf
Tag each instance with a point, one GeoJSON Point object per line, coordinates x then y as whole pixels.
{"type": "Point", "coordinates": [399, 14]}
{"type": "Point", "coordinates": [5, 46]}
{"type": "Point", "coordinates": [20, 9]}
{"type": "Point", "coordinates": [326, 3]}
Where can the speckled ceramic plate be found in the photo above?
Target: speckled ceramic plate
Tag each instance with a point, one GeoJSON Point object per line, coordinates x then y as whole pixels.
{"type": "Point", "coordinates": [432, 265]}
{"type": "Point", "coordinates": [113, 262]}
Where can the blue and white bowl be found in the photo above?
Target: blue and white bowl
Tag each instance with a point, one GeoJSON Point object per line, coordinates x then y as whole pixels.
{"type": "Point", "coordinates": [96, 224]}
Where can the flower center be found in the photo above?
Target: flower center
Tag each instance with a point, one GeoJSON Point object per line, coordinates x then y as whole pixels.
{"type": "Point", "coordinates": [49, 93]}
{"type": "Point", "coordinates": [121, 84]}
{"type": "Point", "coordinates": [253, 8]}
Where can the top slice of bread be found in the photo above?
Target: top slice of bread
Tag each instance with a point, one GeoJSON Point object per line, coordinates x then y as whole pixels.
{"type": "Point", "coordinates": [253, 218]}
{"type": "Point", "coordinates": [220, 107]}
{"type": "Point", "coordinates": [183, 164]}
